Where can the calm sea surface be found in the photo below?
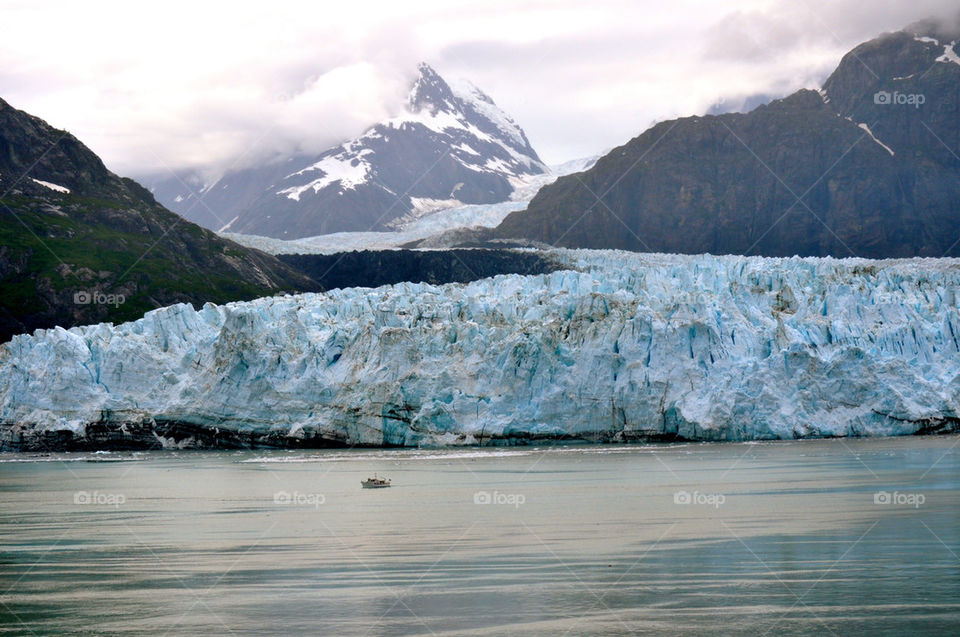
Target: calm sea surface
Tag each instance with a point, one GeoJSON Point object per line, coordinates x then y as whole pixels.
{"type": "Point", "coordinates": [842, 537]}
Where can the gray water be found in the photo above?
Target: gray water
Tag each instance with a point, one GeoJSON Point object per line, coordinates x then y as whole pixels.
{"type": "Point", "coordinates": [789, 538]}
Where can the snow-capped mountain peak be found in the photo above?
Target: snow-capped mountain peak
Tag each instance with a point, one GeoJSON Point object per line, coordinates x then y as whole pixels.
{"type": "Point", "coordinates": [484, 107]}
{"type": "Point", "coordinates": [447, 145]}
{"type": "Point", "coordinates": [430, 92]}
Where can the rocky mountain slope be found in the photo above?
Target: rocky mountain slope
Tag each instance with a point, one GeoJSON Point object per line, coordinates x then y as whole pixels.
{"type": "Point", "coordinates": [868, 166]}
{"type": "Point", "coordinates": [79, 244]}
{"type": "Point", "coordinates": [630, 347]}
{"type": "Point", "coordinates": [374, 268]}
{"type": "Point", "coordinates": [450, 146]}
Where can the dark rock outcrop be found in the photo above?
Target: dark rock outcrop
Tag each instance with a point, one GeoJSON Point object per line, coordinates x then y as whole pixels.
{"type": "Point", "coordinates": [373, 268]}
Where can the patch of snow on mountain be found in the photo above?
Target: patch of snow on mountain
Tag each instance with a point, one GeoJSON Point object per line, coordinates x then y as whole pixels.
{"type": "Point", "coordinates": [949, 55]}
{"type": "Point", "coordinates": [228, 224]}
{"type": "Point", "coordinates": [496, 165]}
{"type": "Point", "coordinates": [438, 122]}
{"type": "Point", "coordinates": [209, 186]}
{"type": "Point", "coordinates": [874, 138]}
{"type": "Point", "coordinates": [351, 170]}
{"type": "Point", "coordinates": [464, 148]}
{"type": "Point", "coordinates": [47, 184]}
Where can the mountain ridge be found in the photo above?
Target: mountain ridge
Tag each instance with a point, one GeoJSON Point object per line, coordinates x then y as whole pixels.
{"type": "Point", "coordinates": [79, 244]}
{"type": "Point", "coordinates": [837, 172]}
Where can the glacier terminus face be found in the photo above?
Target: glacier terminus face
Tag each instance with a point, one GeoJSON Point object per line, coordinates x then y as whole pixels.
{"type": "Point", "coordinates": [619, 347]}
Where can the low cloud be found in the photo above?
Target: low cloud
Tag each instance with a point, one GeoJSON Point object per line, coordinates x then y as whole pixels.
{"type": "Point", "coordinates": [187, 85]}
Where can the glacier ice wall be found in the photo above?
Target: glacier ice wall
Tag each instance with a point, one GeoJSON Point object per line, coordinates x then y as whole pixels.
{"type": "Point", "coordinates": [625, 346]}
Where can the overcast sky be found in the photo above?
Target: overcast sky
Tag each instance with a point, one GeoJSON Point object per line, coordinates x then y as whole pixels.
{"type": "Point", "coordinates": [179, 84]}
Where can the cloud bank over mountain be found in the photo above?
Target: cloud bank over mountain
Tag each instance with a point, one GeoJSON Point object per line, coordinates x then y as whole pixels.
{"type": "Point", "coordinates": [295, 76]}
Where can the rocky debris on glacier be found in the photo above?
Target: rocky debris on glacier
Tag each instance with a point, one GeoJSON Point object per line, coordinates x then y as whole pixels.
{"type": "Point", "coordinates": [620, 347]}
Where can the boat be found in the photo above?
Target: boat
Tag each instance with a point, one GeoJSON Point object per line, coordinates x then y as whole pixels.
{"type": "Point", "coordinates": [375, 483]}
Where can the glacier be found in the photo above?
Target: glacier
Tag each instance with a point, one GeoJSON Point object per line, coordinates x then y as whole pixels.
{"type": "Point", "coordinates": [616, 347]}
{"type": "Point", "coordinates": [429, 226]}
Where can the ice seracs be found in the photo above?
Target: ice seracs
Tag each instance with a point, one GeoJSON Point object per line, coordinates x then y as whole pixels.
{"type": "Point", "coordinates": [623, 347]}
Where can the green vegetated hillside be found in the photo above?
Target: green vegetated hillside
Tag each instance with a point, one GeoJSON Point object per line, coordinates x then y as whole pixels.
{"type": "Point", "coordinates": [78, 244]}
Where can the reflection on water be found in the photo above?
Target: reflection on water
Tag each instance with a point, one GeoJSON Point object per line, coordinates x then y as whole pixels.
{"type": "Point", "coordinates": [852, 537]}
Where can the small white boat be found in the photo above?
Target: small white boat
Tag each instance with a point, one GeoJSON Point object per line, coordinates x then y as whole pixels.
{"type": "Point", "coordinates": [375, 483]}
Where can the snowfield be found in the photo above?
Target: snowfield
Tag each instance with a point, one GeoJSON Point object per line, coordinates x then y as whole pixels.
{"type": "Point", "coordinates": [627, 346]}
